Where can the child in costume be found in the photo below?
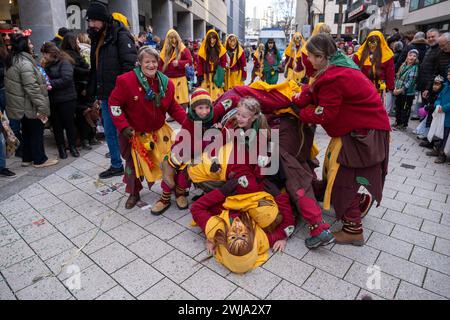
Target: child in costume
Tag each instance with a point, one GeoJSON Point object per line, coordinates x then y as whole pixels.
{"type": "Point", "coordinates": [236, 68]}
{"type": "Point", "coordinates": [294, 69]}
{"type": "Point", "coordinates": [258, 63]}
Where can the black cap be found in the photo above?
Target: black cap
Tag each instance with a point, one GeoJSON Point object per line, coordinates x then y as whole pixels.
{"type": "Point", "coordinates": [97, 11]}
{"type": "Point", "coordinates": [63, 31]}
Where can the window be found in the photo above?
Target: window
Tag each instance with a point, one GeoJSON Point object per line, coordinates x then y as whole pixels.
{"type": "Point", "coordinates": [349, 30]}
{"type": "Point", "coordinates": [413, 5]}
{"type": "Point", "coordinates": [321, 17]}
{"type": "Point", "coordinates": [429, 2]}
{"type": "Point", "coordinates": [336, 18]}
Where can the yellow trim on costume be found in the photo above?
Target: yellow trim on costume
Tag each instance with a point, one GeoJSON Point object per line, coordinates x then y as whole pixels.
{"type": "Point", "coordinates": [181, 89]}
{"type": "Point", "coordinates": [286, 88]}
{"type": "Point", "coordinates": [330, 169]}
{"type": "Point", "coordinates": [239, 48]}
{"type": "Point", "coordinates": [181, 46]}
{"type": "Point", "coordinates": [288, 50]}
{"type": "Point", "coordinates": [386, 52]}
{"type": "Point", "coordinates": [202, 50]}
{"type": "Point", "coordinates": [233, 79]}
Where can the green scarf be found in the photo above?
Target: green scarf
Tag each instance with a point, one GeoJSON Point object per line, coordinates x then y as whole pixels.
{"type": "Point", "coordinates": [163, 82]}
{"type": "Point", "coordinates": [207, 122]}
{"type": "Point", "coordinates": [341, 60]}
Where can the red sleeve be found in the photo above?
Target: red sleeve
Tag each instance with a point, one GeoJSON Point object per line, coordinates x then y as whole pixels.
{"type": "Point", "coordinates": [200, 209]}
{"type": "Point", "coordinates": [308, 65]}
{"type": "Point", "coordinates": [356, 59]}
{"type": "Point", "coordinates": [160, 64]}
{"type": "Point", "coordinates": [117, 103]}
{"type": "Point", "coordinates": [201, 63]}
{"type": "Point", "coordinates": [327, 107]}
{"type": "Point", "coordinates": [223, 61]}
{"type": "Point", "coordinates": [305, 98]}
{"type": "Point", "coordinates": [243, 64]}
{"type": "Point", "coordinates": [284, 206]}
{"type": "Point", "coordinates": [390, 74]}
{"type": "Point", "coordinates": [175, 110]}
{"type": "Point", "coordinates": [186, 58]}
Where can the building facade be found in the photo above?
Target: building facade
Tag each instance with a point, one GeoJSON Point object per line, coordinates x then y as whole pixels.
{"type": "Point", "coordinates": [236, 18]}
{"type": "Point", "coordinates": [191, 18]}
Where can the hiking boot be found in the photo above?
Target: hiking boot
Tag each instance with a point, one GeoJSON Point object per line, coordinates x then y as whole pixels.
{"type": "Point", "coordinates": [342, 237]}
{"type": "Point", "coordinates": [432, 153]}
{"type": "Point", "coordinates": [324, 238]}
{"type": "Point", "coordinates": [168, 174]}
{"type": "Point", "coordinates": [442, 158]}
{"type": "Point", "coordinates": [132, 201]}
{"type": "Point", "coordinates": [365, 203]}
{"type": "Point", "coordinates": [48, 163]}
{"type": "Point", "coordinates": [426, 144]}
{"type": "Point", "coordinates": [5, 172]}
{"type": "Point", "coordinates": [111, 172]}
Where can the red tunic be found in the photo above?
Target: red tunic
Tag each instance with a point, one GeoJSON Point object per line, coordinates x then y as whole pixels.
{"type": "Point", "coordinates": [180, 69]}
{"type": "Point", "coordinates": [138, 113]}
{"type": "Point", "coordinates": [387, 72]}
{"type": "Point", "coordinates": [346, 106]}
{"type": "Point", "coordinates": [241, 64]}
{"type": "Point", "coordinates": [299, 66]}
{"type": "Point", "coordinates": [202, 63]}
{"type": "Point", "coordinates": [310, 71]}
{"type": "Point", "coordinates": [206, 207]}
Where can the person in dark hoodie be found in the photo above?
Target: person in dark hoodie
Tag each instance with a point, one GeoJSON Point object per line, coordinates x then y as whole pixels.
{"type": "Point", "coordinates": [419, 43]}
{"type": "Point", "coordinates": [58, 39]}
{"type": "Point", "coordinates": [113, 52]}
{"type": "Point", "coordinates": [63, 97]}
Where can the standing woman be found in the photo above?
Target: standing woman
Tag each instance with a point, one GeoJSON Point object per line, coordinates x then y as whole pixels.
{"type": "Point", "coordinates": [138, 106]}
{"type": "Point", "coordinates": [376, 61]}
{"type": "Point", "coordinates": [211, 67]}
{"type": "Point", "coordinates": [63, 97]}
{"type": "Point", "coordinates": [26, 93]}
{"type": "Point", "coordinates": [294, 69]}
{"type": "Point", "coordinates": [174, 59]}
{"type": "Point", "coordinates": [272, 59]}
{"type": "Point", "coordinates": [236, 63]}
{"type": "Point", "coordinates": [258, 63]}
{"type": "Point", "coordinates": [356, 121]}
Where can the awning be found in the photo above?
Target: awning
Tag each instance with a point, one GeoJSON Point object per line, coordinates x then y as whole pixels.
{"type": "Point", "coordinates": [357, 14]}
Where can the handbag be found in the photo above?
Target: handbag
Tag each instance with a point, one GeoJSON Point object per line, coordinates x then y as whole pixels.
{"type": "Point", "coordinates": [219, 77]}
{"type": "Point", "coordinates": [11, 141]}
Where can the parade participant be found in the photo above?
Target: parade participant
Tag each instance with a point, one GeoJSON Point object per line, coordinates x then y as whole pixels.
{"type": "Point", "coordinates": [294, 69]}
{"type": "Point", "coordinates": [272, 59]}
{"type": "Point", "coordinates": [138, 106]}
{"type": "Point", "coordinates": [258, 63]}
{"type": "Point", "coordinates": [309, 69]}
{"type": "Point", "coordinates": [357, 122]}
{"type": "Point", "coordinates": [376, 61]}
{"type": "Point", "coordinates": [174, 59]}
{"type": "Point", "coordinates": [236, 68]}
{"type": "Point", "coordinates": [240, 235]}
{"type": "Point", "coordinates": [212, 62]}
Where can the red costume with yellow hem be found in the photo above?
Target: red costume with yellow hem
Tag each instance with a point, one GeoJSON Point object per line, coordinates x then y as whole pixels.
{"type": "Point", "coordinates": [294, 65]}
{"type": "Point", "coordinates": [236, 67]}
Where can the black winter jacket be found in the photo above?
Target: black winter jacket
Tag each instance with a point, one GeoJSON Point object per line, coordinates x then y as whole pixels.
{"type": "Point", "coordinates": [80, 76]}
{"type": "Point", "coordinates": [427, 68]}
{"type": "Point", "coordinates": [60, 73]}
{"type": "Point", "coordinates": [117, 55]}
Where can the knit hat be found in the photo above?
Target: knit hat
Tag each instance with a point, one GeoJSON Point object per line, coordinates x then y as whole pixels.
{"type": "Point", "coordinates": [63, 31]}
{"type": "Point", "coordinates": [439, 79]}
{"type": "Point", "coordinates": [200, 96]}
{"type": "Point", "coordinates": [97, 11]}
{"type": "Point", "coordinates": [415, 51]}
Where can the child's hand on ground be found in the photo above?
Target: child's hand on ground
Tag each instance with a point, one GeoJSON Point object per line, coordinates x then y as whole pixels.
{"type": "Point", "coordinates": [279, 245]}
{"type": "Point", "coordinates": [210, 247]}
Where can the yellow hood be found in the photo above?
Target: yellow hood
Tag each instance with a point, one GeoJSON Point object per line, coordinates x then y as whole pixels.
{"type": "Point", "coordinates": [288, 50]}
{"type": "Point", "coordinates": [386, 52]}
{"type": "Point", "coordinates": [202, 50]}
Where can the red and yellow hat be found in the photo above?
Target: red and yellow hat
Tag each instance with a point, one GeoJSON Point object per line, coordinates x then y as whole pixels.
{"type": "Point", "coordinates": [200, 96]}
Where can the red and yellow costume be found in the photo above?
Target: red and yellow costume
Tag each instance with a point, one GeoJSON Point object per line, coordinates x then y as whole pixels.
{"type": "Point", "coordinates": [236, 67]}
{"type": "Point", "coordinates": [293, 53]}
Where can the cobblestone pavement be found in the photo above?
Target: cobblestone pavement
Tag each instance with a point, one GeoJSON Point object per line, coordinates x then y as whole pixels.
{"type": "Point", "coordinates": [135, 255]}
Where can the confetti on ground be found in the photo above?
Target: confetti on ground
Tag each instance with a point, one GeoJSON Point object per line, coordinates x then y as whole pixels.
{"type": "Point", "coordinates": [76, 176]}
{"type": "Point", "coordinates": [39, 222]}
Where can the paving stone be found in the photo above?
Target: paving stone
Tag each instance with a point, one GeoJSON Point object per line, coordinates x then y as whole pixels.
{"type": "Point", "coordinates": [116, 293]}
{"type": "Point", "coordinates": [440, 207]}
{"type": "Point", "coordinates": [412, 199]}
{"type": "Point", "coordinates": [395, 178]}
{"type": "Point", "coordinates": [188, 242]}
{"type": "Point", "coordinates": [208, 285]}
{"type": "Point", "coordinates": [33, 190]}
{"type": "Point", "coordinates": [14, 252]}
{"type": "Point", "coordinates": [361, 276]}
{"type": "Point", "coordinates": [58, 213]}
{"type": "Point", "coordinates": [399, 187]}
{"type": "Point", "coordinates": [164, 229]}
{"type": "Point", "coordinates": [5, 292]}
{"type": "Point", "coordinates": [177, 266]}
{"type": "Point", "coordinates": [377, 212]}
{"type": "Point", "coordinates": [46, 289]}
{"type": "Point", "coordinates": [433, 195]}
{"type": "Point", "coordinates": [296, 248]}
{"type": "Point", "coordinates": [137, 277]}
{"type": "Point", "coordinates": [258, 282]}
{"type": "Point", "coordinates": [445, 219]}
{"type": "Point", "coordinates": [113, 257]}
{"type": "Point", "coordinates": [8, 235]}
{"type": "Point", "coordinates": [401, 268]}
{"type": "Point", "coordinates": [186, 220]}
{"type": "Point", "coordinates": [34, 232]}
{"type": "Point", "coordinates": [329, 287]}
{"type": "Point", "coordinates": [288, 268]}
{"type": "Point", "coordinates": [328, 261]}
{"type": "Point", "coordinates": [62, 264]}
{"type": "Point", "coordinates": [288, 291]}
{"type": "Point", "coordinates": [142, 217]}
{"type": "Point", "coordinates": [407, 291]}
{"type": "Point", "coordinates": [442, 246]}
{"type": "Point", "coordinates": [442, 180]}
{"type": "Point", "coordinates": [208, 261]}
{"type": "Point", "coordinates": [166, 290]}
{"type": "Point", "coordinates": [392, 204]}
{"type": "Point", "coordinates": [241, 294]}
{"type": "Point", "coordinates": [413, 236]}
{"type": "Point", "coordinates": [93, 241]}
{"type": "Point", "coordinates": [439, 230]}
{"type": "Point", "coordinates": [128, 233]}
{"type": "Point", "coordinates": [390, 193]}
{"type": "Point", "coordinates": [3, 222]}
{"type": "Point", "coordinates": [391, 245]}
{"type": "Point", "coordinates": [75, 198]}
{"type": "Point", "coordinates": [414, 173]}
{"type": "Point", "coordinates": [422, 213]}
{"type": "Point", "coordinates": [94, 282]}
{"type": "Point", "coordinates": [150, 248]}
{"type": "Point", "coordinates": [438, 283]}
{"type": "Point", "coordinates": [43, 201]}
{"type": "Point", "coordinates": [421, 184]}
{"type": "Point", "coordinates": [23, 218]}
{"type": "Point", "coordinates": [56, 185]}
{"type": "Point", "coordinates": [403, 219]}
{"type": "Point", "coordinates": [51, 246]}
{"type": "Point", "coordinates": [74, 227]}
{"type": "Point", "coordinates": [91, 208]}
{"type": "Point", "coordinates": [13, 205]}
{"type": "Point", "coordinates": [363, 254]}
{"type": "Point", "coordinates": [21, 275]}
{"type": "Point", "coordinates": [378, 225]}
{"type": "Point", "coordinates": [443, 189]}
{"type": "Point", "coordinates": [431, 259]}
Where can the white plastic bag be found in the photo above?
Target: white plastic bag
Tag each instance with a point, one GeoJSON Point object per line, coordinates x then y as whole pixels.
{"type": "Point", "coordinates": [447, 147]}
{"type": "Point", "coordinates": [421, 129]}
{"type": "Point", "coordinates": [437, 125]}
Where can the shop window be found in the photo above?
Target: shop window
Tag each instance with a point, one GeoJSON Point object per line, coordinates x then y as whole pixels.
{"type": "Point", "coordinates": [321, 17]}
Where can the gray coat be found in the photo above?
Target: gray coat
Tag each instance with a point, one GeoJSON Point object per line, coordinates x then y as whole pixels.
{"type": "Point", "coordinates": [26, 89]}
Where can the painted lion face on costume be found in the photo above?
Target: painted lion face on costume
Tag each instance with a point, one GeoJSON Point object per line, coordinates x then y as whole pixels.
{"type": "Point", "coordinates": [239, 238]}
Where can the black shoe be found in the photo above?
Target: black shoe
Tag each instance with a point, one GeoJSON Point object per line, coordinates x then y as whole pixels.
{"type": "Point", "coordinates": [94, 142]}
{"type": "Point", "coordinates": [74, 152]}
{"type": "Point", "coordinates": [62, 152]}
{"type": "Point", "coordinates": [414, 118]}
{"type": "Point", "coordinates": [6, 172]}
{"type": "Point", "coordinates": [426, 144]}
{"type": "Point", "coordinates": [108, 155]}
{"type": "Point", "coordinates": [85, 145]}
{"type": "Point", "coordinates": [111, 172]}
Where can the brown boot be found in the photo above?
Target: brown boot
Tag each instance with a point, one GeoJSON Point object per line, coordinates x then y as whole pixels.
{"type": "Point", "coordinates": [342, 237]}
{"type": "Point", "coordinates": [162, 204]}
{"type": "Point", "coordinates": [132, 200]}
{"type": "Point", "coordinates": [168, 174]}
{"type": "Point", "coordinates": [181, 200]}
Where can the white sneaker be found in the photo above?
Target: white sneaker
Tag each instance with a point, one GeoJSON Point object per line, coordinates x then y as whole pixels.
{"type": "Point", "coordinates": [48, 163]}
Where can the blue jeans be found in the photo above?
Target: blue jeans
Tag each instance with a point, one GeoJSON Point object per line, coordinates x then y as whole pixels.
{"type": "Point", "coordinates": [111, 136]}
{"type": "Point", "coordinates": [2, 151]}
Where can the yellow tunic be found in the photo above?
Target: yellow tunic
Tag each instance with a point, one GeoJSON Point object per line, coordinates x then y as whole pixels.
{"type": "Point", "coordinates": [330, 169]}
{"type": "Point", "coordinates": [181, 89]}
